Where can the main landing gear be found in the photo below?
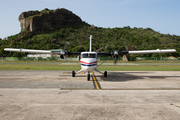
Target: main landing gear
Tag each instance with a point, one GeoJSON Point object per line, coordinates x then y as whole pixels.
{"type": "Point", "coordinates": [105, 74]}
{"type": "Point", "coordinates": [88, 75]}
{"type": "Point", "coordinates": [73, 74]}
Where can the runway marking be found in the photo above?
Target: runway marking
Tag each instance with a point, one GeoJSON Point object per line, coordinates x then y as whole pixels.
{"type": "Point", "coordinates": [97, 86]}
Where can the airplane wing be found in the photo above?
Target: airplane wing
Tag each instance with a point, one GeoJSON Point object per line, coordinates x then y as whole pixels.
{"type": "Point", "coordinates": [41, 51]}
{"type": "Point", "coordinates": [27, 50]}
{"type": "Point", "coordinates": [135, 52]}
{"type": "Point", "coordinates": [99, 53]}
{"type": "Point", "coordinates": [152, 51]}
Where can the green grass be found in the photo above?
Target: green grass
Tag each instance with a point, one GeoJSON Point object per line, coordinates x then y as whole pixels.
{"type": "Point", "coordinates": [110, 61]}
{"type": "Point", "coordinates": [102, 68]}
{"type": "Point", "coordinates": [38, 67]}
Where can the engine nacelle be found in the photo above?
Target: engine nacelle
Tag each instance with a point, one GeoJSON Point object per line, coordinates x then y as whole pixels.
{"type": "Point", "coordinates": [59, 53]}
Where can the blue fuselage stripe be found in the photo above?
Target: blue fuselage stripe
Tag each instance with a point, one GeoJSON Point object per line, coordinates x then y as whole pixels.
{"type": "Point", "coordinates": [88, 65]}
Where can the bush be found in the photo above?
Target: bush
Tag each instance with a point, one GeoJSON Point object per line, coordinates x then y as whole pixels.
{"type": "Point", "coordinates": [132, 57]}
{"type": "Point", "coordinates": [51, 58]}
{"type": "Point", "coordinates": [30, 58]}
{"type": "Point", "coordinates": [40, 58]}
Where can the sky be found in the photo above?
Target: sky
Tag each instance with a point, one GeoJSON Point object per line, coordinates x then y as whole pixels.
{"type": "Point", "coordinates": [162, 16]}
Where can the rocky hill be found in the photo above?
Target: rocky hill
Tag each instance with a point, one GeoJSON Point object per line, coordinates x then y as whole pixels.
{"type": "Point", "coordinates": [38, 21]}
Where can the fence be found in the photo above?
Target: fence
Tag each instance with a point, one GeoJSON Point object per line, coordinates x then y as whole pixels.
{"type": "Point", "coordinates": [159, 59]}
{"type": "Point", "coordinates": [2, 58]}
{"type": "Point", "coordinates": [108, 58]}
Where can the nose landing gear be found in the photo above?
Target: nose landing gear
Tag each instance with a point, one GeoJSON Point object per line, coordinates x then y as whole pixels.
{"type": "Point", "coordinates": [88, 76]}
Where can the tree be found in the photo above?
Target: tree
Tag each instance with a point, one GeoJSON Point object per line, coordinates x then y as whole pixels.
{"type": "Point", "coordinates": [18, 54]}
{"type": "Point", "coordinates": [2, 51]}
{"type": "Point", "coordinates": [78, 49]}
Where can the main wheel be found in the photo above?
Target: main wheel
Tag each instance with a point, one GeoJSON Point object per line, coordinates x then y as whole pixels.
{"type": "Point", "coordinates": [73, 74]}
{"type": "Point", "coordinates": [88, 77]}
{"type": "Point", "coordinates": [105, 74]}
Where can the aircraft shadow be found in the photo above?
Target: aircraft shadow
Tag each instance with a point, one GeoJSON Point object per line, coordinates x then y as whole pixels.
{"type": "Point", "coordinates": [127, 76]}
{"type": "Point", "coordinates": [124, 76]}
{"type": "Point", "coordinates": [119, 77]}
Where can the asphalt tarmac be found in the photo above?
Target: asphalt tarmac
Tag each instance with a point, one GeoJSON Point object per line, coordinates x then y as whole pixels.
{"type": "Point", "coordinates": [54, 95]}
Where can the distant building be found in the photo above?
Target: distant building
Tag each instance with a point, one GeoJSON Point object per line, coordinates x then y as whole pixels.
{"type": "Point", "coordinates": [39, 55]}
{"type": "Point", "coordinates": [54, 53]}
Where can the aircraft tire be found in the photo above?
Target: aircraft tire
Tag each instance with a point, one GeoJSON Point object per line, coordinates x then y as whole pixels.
{"type": "Point", "coordinates": [105, 74]}
{"type": "Point", "coordinates": [73, 74]}
{"type": "Point", "coordinates": [88, 77]}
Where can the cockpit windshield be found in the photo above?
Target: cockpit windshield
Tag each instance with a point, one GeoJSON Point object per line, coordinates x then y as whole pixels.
{"type": "Point", "coordinates": [88, 55]}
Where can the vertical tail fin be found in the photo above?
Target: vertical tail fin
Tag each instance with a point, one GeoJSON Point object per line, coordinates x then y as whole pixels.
{"type": "Point", "coordinates": [90, 48]}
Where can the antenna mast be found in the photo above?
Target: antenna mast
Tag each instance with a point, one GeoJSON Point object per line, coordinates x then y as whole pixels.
{"type": "Point", "coordinates": [90, 49]}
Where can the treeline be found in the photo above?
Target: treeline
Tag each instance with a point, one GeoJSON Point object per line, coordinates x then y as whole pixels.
{"type": "Point", "coordinates": [105, 38]}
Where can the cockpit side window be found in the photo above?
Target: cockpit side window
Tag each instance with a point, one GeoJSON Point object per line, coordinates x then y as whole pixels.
{"type": "Point", "coordinates": [88, 55]}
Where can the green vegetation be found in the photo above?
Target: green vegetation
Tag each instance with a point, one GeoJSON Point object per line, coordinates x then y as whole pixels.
{"type": "Point", "coordinates": [37, 13]}
{"type": "Point", "coordinates": [57, 61]}
{"type": "Point", "coordinates": [78, 36]}
{"type": "Point", "coordinates": [102, 68]}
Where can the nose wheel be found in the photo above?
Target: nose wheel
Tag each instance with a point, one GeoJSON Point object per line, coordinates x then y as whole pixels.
{"type": "Point", "coordinates": [88, 77]}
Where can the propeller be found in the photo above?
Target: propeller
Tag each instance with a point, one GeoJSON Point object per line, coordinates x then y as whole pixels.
{"type": "Point", "coordinates": [116, 53]}
{"type": "Point", "coordinates": [115, 56]}
{"type": "Point", "coordinates": [64, 52]}
{"type": "Point", "coordinates": [66, 45]}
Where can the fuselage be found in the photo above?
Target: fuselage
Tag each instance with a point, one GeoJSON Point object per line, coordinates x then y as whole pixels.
{"type": "Point", "coordinates": [89, 61]}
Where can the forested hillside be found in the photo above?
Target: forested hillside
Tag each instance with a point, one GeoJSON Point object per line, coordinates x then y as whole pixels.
{"type": "Point", "coordinates": [106, 38]}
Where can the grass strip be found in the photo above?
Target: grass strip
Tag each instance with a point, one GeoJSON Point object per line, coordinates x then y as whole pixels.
{"type": "Point", "coordinates": [110, 61]}
{"type": "Point", "coordinates": [102, 68]}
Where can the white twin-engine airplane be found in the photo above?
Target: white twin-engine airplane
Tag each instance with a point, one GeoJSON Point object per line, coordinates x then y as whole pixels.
{"type": "Point", "coordinates": [89, 59]}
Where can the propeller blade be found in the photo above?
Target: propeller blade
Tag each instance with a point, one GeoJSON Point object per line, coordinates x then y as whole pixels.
{"type": "Point", "coordinates": [66, 45]}
{"type": "Point", "coordinates": [65, 57]}
{"type": "Point", "coordinates": [115, 59]}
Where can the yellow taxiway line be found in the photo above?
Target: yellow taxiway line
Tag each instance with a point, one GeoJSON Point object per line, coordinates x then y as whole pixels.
{"type": "Point", "coordinates": [95, 81]}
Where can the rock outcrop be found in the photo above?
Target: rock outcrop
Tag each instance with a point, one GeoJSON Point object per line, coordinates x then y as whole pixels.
{"type": "Point", "coordinates": [35, 21]}
{"type": "Point", "coordinates": [55, 41]}
{"type": "Point", "coordinates": [127, 57]}
{"type": "Point", "coordinates": [100, 50]}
